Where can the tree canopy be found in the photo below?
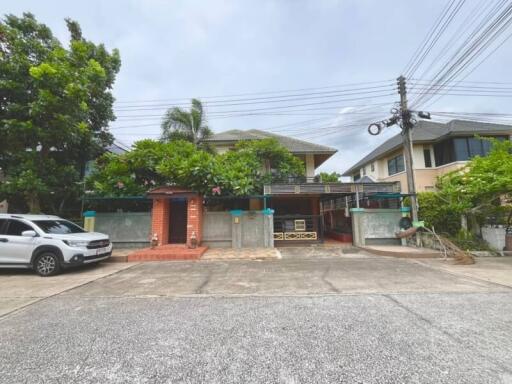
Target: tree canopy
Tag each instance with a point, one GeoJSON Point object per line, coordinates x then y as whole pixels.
{"type": "Point", "coordinates": [241, 171]}
{"type": "Point", "coordinates": [55, 105]}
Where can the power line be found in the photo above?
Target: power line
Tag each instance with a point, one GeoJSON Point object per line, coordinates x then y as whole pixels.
{"type": "Point", "coordinates": [259, 93]}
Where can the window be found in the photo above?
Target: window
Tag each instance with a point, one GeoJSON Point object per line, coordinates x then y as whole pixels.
{"type": "Point", "coordinates": [443, 152]}
{"type": "Point", "coordinates": [372, 167]}
{"type": "Point", "coordinates": [396, 165]}
{"type": "Point", "coordinates": [15, 228]}
{"type": "Point", "coordinates": [58, 227]}
{"type": "Point", "coordinates": [461, 149]}
{"type": "Point", "coordinates": [3, 224]}
{"type": "Point", "coordinates": [357, 176]}
{"type": "Point", "coordinates": [428, 159]}
{"type": "Point", "coordinates": [364, 171]}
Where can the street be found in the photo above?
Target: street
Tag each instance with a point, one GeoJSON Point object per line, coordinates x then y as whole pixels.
{"type": "Point", "coordinates": [311, 319]}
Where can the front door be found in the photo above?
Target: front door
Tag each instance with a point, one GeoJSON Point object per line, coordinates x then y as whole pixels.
{"type": "Point", "coordinates": [178, 221]}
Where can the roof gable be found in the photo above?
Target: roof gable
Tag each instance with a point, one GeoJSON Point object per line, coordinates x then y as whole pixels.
{"type": "Point", "coordinates": [293, 145]}
{"type": "Point", "coordinates": [431, 131]}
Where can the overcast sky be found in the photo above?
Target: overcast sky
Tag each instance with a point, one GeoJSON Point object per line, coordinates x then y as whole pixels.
{"type": "Point", "coordinates": [181, 49]}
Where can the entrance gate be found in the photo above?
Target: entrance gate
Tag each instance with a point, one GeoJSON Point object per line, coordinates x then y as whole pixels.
{"type": "Point", "coordinates": [178, 221]}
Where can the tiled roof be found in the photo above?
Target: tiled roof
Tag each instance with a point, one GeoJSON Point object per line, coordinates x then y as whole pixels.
{"type": "Point", "coordinates": [290, 143]}
{"type": "Point", "coordinates": [429, 131]}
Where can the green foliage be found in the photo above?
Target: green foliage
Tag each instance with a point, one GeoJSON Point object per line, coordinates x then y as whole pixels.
{"type": "Point", "coordinates": [55, 105]}
{"type": "Point", "coordinates": [436, 213]}
{"type": "Point", "coordinates": [254, 163]}
{"type": "Point", "coordinates": [478, 187]}
{"type": "Point", "coordinates": [154, 163]}
{"type": "Point", "coordinates": [473, 193]}
{"type": "Point", "coordinates": [178, 124]}
{"type": "Point", "coordinates": [332, 177]}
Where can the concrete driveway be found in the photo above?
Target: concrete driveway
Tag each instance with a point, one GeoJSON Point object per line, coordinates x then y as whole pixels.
{"type": "Point", "coordinates": [307, 318]}
{"type": "Point", "coordinates": [21, 287]}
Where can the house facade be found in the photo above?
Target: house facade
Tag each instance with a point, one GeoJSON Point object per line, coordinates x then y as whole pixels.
{"type": "Point", "coordinates": [313, 155]}
{"type": "Point", "coordinates": [438, 148]}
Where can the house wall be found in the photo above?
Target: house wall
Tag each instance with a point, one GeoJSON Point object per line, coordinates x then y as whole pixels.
{"type": "Point", "coordinates": [425, 178]}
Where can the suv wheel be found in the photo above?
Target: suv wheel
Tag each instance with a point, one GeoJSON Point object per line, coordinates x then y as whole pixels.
{"type": "Point", "coordinates": [47, 264]}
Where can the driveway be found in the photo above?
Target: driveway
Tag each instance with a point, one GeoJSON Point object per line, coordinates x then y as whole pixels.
{"type": "Point", "coordinates": [21, 287]}
{"type": "Point", "coordinates": [302, 319]}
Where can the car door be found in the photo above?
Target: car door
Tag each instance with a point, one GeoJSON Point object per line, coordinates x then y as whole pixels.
{"type": "Point", "coordinates": [16, 249]}
{"type": "Point", "coordinates": [4, 245]}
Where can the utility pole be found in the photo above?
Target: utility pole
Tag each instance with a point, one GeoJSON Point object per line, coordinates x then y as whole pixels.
{"type": "Point", "coordinates": [407, 127]}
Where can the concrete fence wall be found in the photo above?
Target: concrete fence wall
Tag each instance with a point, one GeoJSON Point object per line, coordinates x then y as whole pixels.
{"type": "Point", "coordinates": [217, 229]}
{"type": "Point", "coordinates": [238, 229]}
{"type": "Point", "coordinates": [375, 226]}
{"type": "Point", "coordinates": [495, 237]}
{"type": "Point", "coordinates": [126, 229]}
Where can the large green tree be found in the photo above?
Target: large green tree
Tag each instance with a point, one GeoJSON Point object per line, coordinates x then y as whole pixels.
{"type": "Point", "coordinates": [55, 105]}
{"type": "Point", "coordinates": [179, 124]}
{"type": "Point", "coordinates": [242, 171]}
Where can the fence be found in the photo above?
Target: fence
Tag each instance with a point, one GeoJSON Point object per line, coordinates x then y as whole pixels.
{"type": "Point", "coordinates": [125, 229]}
{"type": "Point", "coordinates": [238, 229]}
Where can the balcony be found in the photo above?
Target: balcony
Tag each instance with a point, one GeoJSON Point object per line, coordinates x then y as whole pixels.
{"type": "Point", "coordinates": [296, 186]}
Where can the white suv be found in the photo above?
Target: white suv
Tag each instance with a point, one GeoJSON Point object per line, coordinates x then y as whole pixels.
{"type": "Point", "coordinates": [48, 243]}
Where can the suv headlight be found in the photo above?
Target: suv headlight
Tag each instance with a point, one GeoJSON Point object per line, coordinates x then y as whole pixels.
{"type": "Point", "coordinates": [77, 243]}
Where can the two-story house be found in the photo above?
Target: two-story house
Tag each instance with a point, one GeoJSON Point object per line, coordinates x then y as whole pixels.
{"type": "Point", "coordinates": [313, 155]}
{"type": "Point", "coordinates": [438, 148]}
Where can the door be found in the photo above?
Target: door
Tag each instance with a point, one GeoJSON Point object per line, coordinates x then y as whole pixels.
{"type": "Point", "coordinates": [14, 248]}
{"type": "Point", "coordinates": [178, 221]}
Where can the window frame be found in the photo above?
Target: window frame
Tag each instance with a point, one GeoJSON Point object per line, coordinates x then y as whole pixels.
{"type": "Point", "coordinates": [427, 157]}
{"type": "Point", "coordinates": [9, 221]}
{"type": "Point", "coordinates": [3, 225]}
{"type": "Point", "coordinates": [393, 165]}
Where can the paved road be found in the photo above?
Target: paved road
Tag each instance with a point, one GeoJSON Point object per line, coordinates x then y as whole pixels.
{"type": "Point", "coordinates": [187, 322]}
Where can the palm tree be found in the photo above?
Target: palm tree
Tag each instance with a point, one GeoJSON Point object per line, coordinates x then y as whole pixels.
{"type": "Point", "coordinates": [186, 125]}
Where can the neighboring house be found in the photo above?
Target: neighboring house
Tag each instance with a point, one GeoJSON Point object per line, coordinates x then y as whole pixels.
{"type": "Point", "coordinates": [115, 148]}
{"type": "Point", "coordinates": [313, 155]}
{"type": "Point", "coordinates": [438, 148]}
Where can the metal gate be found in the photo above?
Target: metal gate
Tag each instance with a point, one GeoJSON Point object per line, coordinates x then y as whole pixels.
{"type": "Point", "coordinates": [294, 228]}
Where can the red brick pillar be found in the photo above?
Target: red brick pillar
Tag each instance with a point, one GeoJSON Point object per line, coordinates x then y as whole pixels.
{"type": "Point", "coordinates": [195, 218]}
{"type": "Point", "coordinates": [160, 220]}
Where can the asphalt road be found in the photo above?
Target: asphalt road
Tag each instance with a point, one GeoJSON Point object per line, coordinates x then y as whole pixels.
{"type": "Point", "coordinates": [462, 335]}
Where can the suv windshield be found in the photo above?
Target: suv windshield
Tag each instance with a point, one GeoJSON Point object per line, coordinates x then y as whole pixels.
{"type": "Point", "coordinates": [58, 227]}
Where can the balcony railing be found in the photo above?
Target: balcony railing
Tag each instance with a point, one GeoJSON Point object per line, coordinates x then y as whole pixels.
{"type": "Point", "coordinates": [284, 188]}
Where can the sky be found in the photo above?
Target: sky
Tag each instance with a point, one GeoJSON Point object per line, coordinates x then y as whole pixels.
{"type": "Point", "coordinates": [172, 51]}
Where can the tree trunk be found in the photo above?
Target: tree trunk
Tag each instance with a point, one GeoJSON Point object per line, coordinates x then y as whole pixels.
{"type": "Point", "coordinates": [34, 205]}
{"type": "Point", "coordinates": [464, 222]}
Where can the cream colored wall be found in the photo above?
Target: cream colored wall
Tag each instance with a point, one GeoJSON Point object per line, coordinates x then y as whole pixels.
{"type": "Point", "coordinates": [220, 149]}
{"type": "Point", "coordinates": [425, 178]}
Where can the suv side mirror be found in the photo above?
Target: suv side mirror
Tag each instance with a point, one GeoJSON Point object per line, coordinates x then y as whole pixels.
{"type": "Point", "coordinates": [29, 234]}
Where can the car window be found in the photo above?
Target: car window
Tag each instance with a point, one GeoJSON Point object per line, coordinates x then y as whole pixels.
{"type": "Point", "coordinates": [58, 227]}
{"type": "Point", "coordinates": [3, 223]}
{"type": "Point", "coordinates": [15, 228]}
